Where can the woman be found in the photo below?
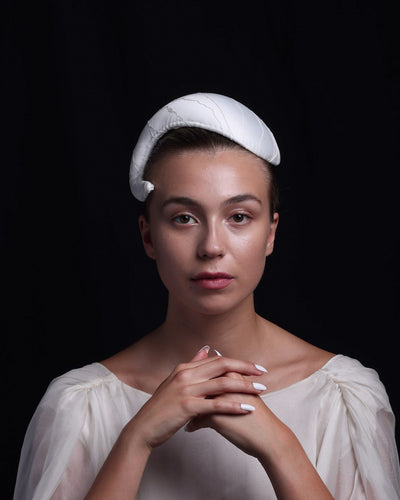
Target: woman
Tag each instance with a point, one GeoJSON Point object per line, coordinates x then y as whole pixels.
{"type": "Point", "coordinates": [314, 425]}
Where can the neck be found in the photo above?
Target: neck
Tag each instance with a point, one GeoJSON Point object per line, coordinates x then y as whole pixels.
{"type": "Point", "coordinates": [236, 333]}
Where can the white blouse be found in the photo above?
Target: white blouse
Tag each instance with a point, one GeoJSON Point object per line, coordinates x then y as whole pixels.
{"type": "Point", "coordinates": [340, 414]}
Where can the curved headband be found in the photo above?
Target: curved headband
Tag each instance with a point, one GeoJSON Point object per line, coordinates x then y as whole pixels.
{"type": "Point", "coordinates": [213, 112]}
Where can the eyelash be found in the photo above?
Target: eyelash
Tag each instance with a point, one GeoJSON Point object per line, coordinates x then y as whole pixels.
{"type": "Point", "coordinates": [245, 217]}
{"type": "Point", "coordinates": [189, 218]}
{"type": "Point", "coordinates": [178, 219]}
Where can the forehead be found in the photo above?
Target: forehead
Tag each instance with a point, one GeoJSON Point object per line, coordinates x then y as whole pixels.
{"type": "Point", "coordinates": [203, 174]}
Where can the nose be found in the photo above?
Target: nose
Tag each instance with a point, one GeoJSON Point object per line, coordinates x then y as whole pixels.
{"type": "Point", "coordinates": [211, 244]}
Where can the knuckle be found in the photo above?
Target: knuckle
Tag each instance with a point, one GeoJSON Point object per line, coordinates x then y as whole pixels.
{"type": "Point", "coordinates": [224, 363]}
{"type": "Point", "coordinates": [185, 391]}
{"type": "Point", "coordinates": [187, 405]}
{"type": "Point", "coordinates": [182, 375]}
{"type": "Point", "coordinates": [179, 368]}
{"type": "Point", "coordinates": [224, 383]}
{"type": "Point", "coordinates": [219, 405]}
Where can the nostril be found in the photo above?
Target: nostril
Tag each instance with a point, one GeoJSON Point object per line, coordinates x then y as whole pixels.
{"type": "Point", "coordinates": [210, 249]}
{"type": "Point", "coordinates": [211, 242]}
{"type": "Point", "coordinates": [210, 253]}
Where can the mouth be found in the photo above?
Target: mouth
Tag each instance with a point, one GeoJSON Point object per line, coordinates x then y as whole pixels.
{"type": "Point", "coordinates": [213, 281]}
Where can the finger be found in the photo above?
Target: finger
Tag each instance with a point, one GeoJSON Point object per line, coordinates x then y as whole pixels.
{"type": "Point", "coordinates": [234, 375]}
{"type": "Point", "coordinates": [215, 367]}
{"type": "Point", "coordinates": [200, 357]}
{"type": "Point", "coordinates": [226, 384]}
{"type": "Point", "coordinates": [207, 407]}
{"type": "Point", "coordinates": [229, 374]}
{"type": "Point", "coordinates": [202, 421]}
{"type": "Point", "coordinates": [259, 367]}
{"type": "Point", "coordinates": [201, 354]}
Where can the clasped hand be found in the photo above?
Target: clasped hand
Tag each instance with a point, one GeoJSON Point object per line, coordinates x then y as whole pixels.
{"type": "Point", "coordinates": [206, 392]}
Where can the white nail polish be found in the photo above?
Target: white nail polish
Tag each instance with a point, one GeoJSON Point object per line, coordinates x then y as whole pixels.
{"type": "Point", "coordinates": [217, 353]}
{"type": "Point", "coordinates": [258, 386]}
{"type": "Point", "coordinates": [204, 348]}
{"type": "Point", "coordinates": [261, 368]}
{"type": "Point", "coordinates": [247, 407]}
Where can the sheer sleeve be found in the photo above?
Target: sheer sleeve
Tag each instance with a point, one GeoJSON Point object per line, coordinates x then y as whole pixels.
{"type": "Point", "coordinates": [77, 477]}
{"type": "Point", "coordinates": [357, 458]}
{"type": "Point", "coordinates": [55, 462]}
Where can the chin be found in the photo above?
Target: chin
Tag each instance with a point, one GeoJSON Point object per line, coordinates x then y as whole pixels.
{"type": "Point", "coordinates": [216, 306]}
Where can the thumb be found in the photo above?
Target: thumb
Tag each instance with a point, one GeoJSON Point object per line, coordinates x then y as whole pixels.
{"type": "Point", "coordinates": [202, 354]}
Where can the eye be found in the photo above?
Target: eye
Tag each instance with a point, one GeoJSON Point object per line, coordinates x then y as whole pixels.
{"type": "Point", "coordinates": [183, 219]}
{"type": "Point", "coordinates": [240, 218]}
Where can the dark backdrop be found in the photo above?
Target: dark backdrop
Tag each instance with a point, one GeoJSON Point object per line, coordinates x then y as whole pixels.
{"type": "Point", "coordinates": [79, 80]}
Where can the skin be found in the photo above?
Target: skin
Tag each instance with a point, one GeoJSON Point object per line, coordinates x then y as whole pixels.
{"type": "Point", "coordinates": [209, 213]}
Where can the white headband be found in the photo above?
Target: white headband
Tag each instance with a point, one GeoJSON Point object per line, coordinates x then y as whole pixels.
{"type": "Point", "coordinates": [213, 112]}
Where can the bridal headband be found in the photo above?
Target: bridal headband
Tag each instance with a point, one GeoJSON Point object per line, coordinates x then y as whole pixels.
{"type": "Point", "coordinates": [213, 112]}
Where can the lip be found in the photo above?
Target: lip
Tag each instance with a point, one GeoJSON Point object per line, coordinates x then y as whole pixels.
{"type": "Point", "coordinates": [212, 281]}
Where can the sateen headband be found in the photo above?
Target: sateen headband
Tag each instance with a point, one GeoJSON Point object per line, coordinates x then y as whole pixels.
{"type": "Point", "coordinates": [213, 112]}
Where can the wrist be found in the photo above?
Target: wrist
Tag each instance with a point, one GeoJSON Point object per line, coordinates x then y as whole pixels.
{"type": "Point", "coordinates": [278, 449]}
{"type": "Point", "coordinates": [291, 473]}
{"type": "Point", "coordinates": [134, 442]}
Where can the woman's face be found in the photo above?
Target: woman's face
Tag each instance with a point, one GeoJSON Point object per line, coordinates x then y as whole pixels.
{"type": "Point", "coordinates": [209, 228]}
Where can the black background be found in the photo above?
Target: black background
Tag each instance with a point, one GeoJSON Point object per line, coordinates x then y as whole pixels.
{"type": "Point", "coordinates": [79, 80]}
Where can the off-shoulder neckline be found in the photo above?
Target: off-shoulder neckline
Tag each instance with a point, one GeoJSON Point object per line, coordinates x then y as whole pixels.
{"type": "Point", "coordinates": [266, 395]}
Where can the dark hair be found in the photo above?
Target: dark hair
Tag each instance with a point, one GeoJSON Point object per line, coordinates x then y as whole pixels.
{"type": "Point", "coordinates": [194, 138]}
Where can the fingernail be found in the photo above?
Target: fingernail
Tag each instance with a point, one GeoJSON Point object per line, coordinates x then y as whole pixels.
{"type": "Point", "coordinates": [247, 407]}
{"type": "Point", "coordinates": [217, 353]}
{"type": "Point", "coordinates": [204, 348]}
{"type": "Point", "coordinates": [261, 368]}
{"type": "Point", "coordinates": [258, 386]}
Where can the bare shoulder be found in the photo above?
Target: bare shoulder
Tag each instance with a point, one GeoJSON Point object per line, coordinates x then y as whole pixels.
{"type": "Point", "coordinates": [291, 359]}
{"type": "Point", "coordinates": [137, 366]}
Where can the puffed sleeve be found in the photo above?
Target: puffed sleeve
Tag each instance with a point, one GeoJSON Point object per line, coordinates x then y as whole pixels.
{"type": "Point", "coordinates": [357, 455]}
{"type": "Point", "coordinates": [54, 463]}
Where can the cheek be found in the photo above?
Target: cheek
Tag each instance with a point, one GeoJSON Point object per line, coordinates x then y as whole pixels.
{"type": "Point", "coordinates": [253, 246]}
{"type": "Point", "coordinates": [250, 257]}
{"type": "Point", "coordinates": [170, 254]}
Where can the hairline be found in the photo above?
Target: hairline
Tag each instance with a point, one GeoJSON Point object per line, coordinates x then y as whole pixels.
{"type": "Point", "coordinates": [181, 147]}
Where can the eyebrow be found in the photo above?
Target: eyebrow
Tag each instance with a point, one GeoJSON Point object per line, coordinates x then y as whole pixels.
{"type": "Point", "coordinates": [242, 197]}
{"type": "Point", "coordinates": [184, 200]}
